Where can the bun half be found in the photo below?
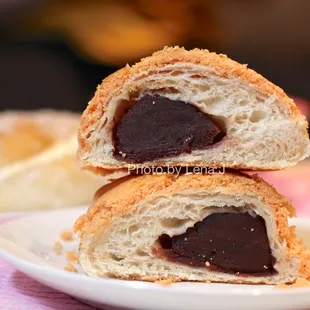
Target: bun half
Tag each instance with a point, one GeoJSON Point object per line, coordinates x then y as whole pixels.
{"type": "Point", "coordinates": [120, 231]}
{"type": "Point", "coordinates": [263, 128]}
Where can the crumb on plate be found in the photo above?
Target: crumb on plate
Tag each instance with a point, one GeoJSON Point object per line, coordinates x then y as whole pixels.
{"type": "Point", "coordinates": [300, 282]}
{"type": "Point", "coordinates": [70, 268]}
{"type": "Point", "coordinates": [72, 257]}
{"type": "Point", "coordinates": [57, 247]}
{"type": "Point", "coordinates": [165, 282]}
{"type": "Point", "coordinates": [66, 235]}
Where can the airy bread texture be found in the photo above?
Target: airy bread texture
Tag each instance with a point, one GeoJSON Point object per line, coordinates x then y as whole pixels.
{"type": "Point", "coordinates": [122, 226]}
{"type": "Point", "coordinates": [38, 162]}
{"type": "Point", "coordinates": [264, 128]}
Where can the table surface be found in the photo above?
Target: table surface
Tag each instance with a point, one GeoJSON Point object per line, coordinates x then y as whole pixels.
{"type": "Point", "coordinates": [18, 292]}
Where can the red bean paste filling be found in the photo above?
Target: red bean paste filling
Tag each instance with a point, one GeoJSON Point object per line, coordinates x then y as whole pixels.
{"type": "Point", "coordinates": [156, 127]}
{"type": "Point", "coordinates": [229, 242]}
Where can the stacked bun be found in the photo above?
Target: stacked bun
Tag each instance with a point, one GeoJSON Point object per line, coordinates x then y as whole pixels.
{"type": "Point", "coordinates": [196, 117]}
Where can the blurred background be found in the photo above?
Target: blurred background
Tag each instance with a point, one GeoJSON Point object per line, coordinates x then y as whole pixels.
{"type": "Point", "coordinates": [54, 53]}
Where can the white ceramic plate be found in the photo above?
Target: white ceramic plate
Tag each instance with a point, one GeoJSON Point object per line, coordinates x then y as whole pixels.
{"type": "Point", "coordinates": [27, 244]}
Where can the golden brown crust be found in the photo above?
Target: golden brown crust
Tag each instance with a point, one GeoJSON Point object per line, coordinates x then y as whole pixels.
{"type": "Point", "coordinates": [109, 88]}
{"type": "Point", "coordinates": [118, 200]}
{"type": "Point", "coordinates": [224, 66]}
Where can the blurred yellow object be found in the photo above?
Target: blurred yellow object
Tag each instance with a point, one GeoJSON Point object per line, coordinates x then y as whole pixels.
{"type": "Point", "coordinates": [118, 31]}
{"type": "Point", "coordinates": [37, 162]}
{"type": "Point", "coordinates": [24, 134]}
{"type": "Point", "coordinates": [25, 137]}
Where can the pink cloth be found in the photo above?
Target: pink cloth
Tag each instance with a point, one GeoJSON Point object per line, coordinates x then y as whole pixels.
{"type": "Point", "coordinates": [294, 184]}
{"type": "Point", "coordinates": [18, 292]}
